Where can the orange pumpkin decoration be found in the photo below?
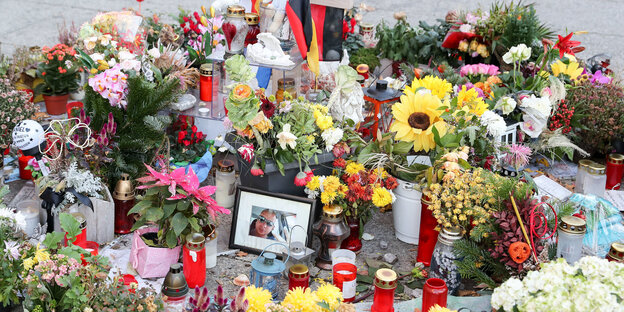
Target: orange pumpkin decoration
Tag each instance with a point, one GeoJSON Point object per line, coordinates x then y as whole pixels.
{"type": "Point", "coordinates": [519, 252]}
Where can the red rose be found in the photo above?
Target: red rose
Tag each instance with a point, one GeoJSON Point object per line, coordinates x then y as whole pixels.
{"type": "Point", "coordinates": [194, 128]}
{"type": "Point", "coordinates": [186, 142]}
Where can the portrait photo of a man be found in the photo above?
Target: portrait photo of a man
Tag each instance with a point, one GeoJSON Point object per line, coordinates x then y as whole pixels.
{"type": "Point", "coordinates": [262, 226]}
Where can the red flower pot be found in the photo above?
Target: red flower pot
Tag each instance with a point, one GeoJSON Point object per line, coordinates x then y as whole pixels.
{"type": "Point", "coordinates": [434, 292]}
{"type": "Point", "coordinates": [56, 104]}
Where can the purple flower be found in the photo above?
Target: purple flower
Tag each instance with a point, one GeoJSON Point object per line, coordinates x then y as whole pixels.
{"type": "Point", "coordinates": [598, 77]}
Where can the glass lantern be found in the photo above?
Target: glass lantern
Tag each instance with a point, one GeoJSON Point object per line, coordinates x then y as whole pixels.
{"type": "Point", "coordinates": [299, 253]}
{"type": "Point", "coordinates": [443, 259]}
{"type": "Point", "coordinates": [385, 285]}
{"type": "Point", "coordinates": [174, 289]}
{"type": "Point", "coordinates": [378, 107]}
{"type": "Point", "coordinates": [235, 29]}
{"type": "Point", "coordinates": [331, 230]}
{"type": "Point", "coordinates": [275, 21]}
{"type": "Point", "coordinates": [570, 238]}
{"type": "Point", "coordinates": [266, 271]}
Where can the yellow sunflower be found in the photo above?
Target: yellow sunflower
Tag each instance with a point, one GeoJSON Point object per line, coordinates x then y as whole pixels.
{"type": "Point", "coordinates": [572, 69]}
{"type": "Point", "coordinates": [438, 87]}
{"type": "Point", "coordinates": [414, 117]}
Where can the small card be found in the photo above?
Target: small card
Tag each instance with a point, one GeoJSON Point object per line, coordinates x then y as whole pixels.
{"type": "Point", "coordinates": [547, 186]}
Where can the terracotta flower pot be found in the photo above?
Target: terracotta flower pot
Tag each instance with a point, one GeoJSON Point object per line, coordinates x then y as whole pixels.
{"type": "Point", "coordinates": [56, 104]}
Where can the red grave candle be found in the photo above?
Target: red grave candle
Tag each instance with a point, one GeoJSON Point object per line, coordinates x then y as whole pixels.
{"type": "Point", "coordinates": [205, 82]}
{"type": "Point", "coordinates": [615, 170]}
{"type": "Point", "coordinates": [298, 276]}
{"type": "Point", "coordinates": [194, 260]}
{"type": "Point", "coordinates": [23, 162]}
{"type": "Point", "coordinates": [344, 278]}
{"type": "Point", "coordinates": [385, 284]}
{"type": "Point", "coordinates": [428, 235]}
{"type": "Point", "coordinates": [434, 292]}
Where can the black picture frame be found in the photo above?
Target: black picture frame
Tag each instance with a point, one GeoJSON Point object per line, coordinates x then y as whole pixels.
{"type": "Point", "coordinates": [241, 238]}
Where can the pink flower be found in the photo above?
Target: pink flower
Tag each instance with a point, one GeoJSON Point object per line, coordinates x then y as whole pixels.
{"type": "Point", "coordinates": [256, 170]}
{"type": "Point", "coordinates": [301, 179]}
{"type": "Point", "coordinates": [111, 85]}
{"type": "Point", "coordinates": [247, 152]}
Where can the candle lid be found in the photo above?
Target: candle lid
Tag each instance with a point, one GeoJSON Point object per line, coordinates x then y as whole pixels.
{"type": "Point", "coordinates": [572, 225]}
{"type": "Point", "coordinates": [285, 83]}
{"type": "Point", "coordinates": [448, 236]}
{"type": "Point", "coordinates": [124, 189]}
{"type": "Point", "coordinates": [386, 279]}
{"type": "Point", "coordinates": [596, 169]}
{"type": "Point", "coordinates": [366, 26]}
{"type": "Point", "coordinates": [617, 251]}
{"type": "Point", "coordinates": [226, 165]}
{"type": "Point", "coordinates": [206, 69]}
{"type": "Point", "coordinates": [332, 211]}
{"type": "Point", "coordinates": [235, 10]}
{"type": "Point", "coordinates": [362, 68]}
{"type": "Point", "coordinates": [203, 111]}
{"type": "Point", "coordinates": [298, 270]}
{"type": "Point", "coordinates": [584, 163]}
{"type": "Point", "coordinates": [617, 159]}
{"type": "Point", "coordinates": [251, 18]}
{"type": "Point", "coordinates": [195, 241]}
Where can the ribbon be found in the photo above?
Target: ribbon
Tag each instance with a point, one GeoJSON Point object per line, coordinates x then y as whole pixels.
{"type": "Point", "coordinates": [538, 221]}
{"type": "Point", "coordinates": [50, 199]}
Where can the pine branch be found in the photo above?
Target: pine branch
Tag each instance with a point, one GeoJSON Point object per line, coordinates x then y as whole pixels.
{"type": "Point", "coordinates": [476, 262]}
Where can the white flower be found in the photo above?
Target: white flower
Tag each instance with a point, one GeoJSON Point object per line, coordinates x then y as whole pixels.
{"type": "Point", "coordinates": [90, 42]}
{"type": "Point", "coordinates": [465, 28]}
{"type": "Point", "coordinates": [331, 136]}
{"type": "Point", "coordinates": [131, 65]}
{"type": "Point", "coordinates": [286, 138]}
{"type": "Point", "coordinates": [12, 249]}
{"type": "Point", "coordinates": [506, 104]}
{"type": "Point", "coordinates": [494, 123]}
{"type": "Point", "coordinates": [154, 52]}
{"type": "Point", "coordinates": [534, 123]}
{"type": "Point", "coordinates": [541, 105]}
{"type": "Point", "coordinates": [125, 55]}
{"type": "Point", "coordinates": [105, 39]}
{"type": "Point", "coordinates": [517, 54]}
{"type": "Point", "coordinates": [112, 62]}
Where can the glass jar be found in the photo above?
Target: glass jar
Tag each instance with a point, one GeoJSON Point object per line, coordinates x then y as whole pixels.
{"type": "Point", "coordinates": [275, 21]}
{"type": "Point", "coordinates": [443, 259]}
{"type": "Point", "coordinates": [235, 29]}
{"type": "Point", "coordinates": [285, 84]}
{"type": "Point", "coordinates": [616, 253]}
{"type": "Point", "coordinates": [595, 180]}
{"type": "Point", "coordinates": [225, 181]}
{"type": "Point", "coordinates": [581, 172]}
{"type": "Point", "coordinates": [210, 232]}
{"type": "Point", "coordinates": [298, 276]}
{"type": "Point", "coordinates": [615, 170]}
{"type": "Point", "coordinates": [428, 236]}
{"type": "Point", "coordinates": [570, 238]}
{"type": "Point", "coordinates": [194, 260]}
{"type": "Point", "coordinates": [254, 28]}
{"type": "Point", "coordinates": [385, 284]}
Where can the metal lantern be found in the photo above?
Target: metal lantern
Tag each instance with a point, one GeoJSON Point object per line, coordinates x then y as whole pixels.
{"type": "Point", "coordinates": [266, 270]}
{"type": "Point", "coordinates": [174, 286]}
{"type": "Point", "coordinates": [299, 253]}
{"type": "Point", "coordinates": [382, 98]}
{"type": "Point", "coordinates": [331, 230]}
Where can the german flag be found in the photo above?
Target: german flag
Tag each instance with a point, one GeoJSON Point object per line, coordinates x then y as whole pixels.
{"type": "Point", "coordinates": [304, 30]}
{"type": "Point", "coordinates": [328, 23]}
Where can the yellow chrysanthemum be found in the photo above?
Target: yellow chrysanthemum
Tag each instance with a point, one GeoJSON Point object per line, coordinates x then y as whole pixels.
{"type": "Point", "coordinates": [381, 172]}
{"type": "Point", "coordinates": [301, 300]}
{"type": "Point", "coordinates": [314, 183]}
{"type": "Point", "coordinates": [258, 298]}
{"type": "Point", "coordinates": [329, 294]}
{"type": "Point", "coordinates": [323, 121]}
{"type": "Point", "coordinates": [572, 69]}
{"type": "Point", "coordinates": [414, 117]}
{"type": "Point", "coordinates": [353, 168]}
{"type": "Point", "coordinates": [438, 87]}
{"type": "Point", "coordinates": [469, 98]}
{"type": "Point", "coordinates": [29, 263]}
{"type": "Point", "coordinates": [437, 308]}
{"type": "Point", "coordinates": [381, 197]}
{"type": "Point", "coordinates": [41, 254]}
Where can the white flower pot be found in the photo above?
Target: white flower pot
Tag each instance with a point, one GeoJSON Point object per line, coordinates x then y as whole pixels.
{"type": "Point", "coordinates": [406, 212]}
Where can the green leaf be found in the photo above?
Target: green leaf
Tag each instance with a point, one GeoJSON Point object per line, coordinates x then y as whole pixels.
{"type": "Point", "coordinates": [464, 164]}
{"type": "Point", "coordinates": [53, 239]}
{"type": "Point", "coordinates": [171, 239]}
{"type": "Point", "coordinates": [70, 225]}
{"type": "Point", "coordinates": [365, 279]}
{"type": "Point", "coordinates": [324, 305]}
{"type": "Point", "coordinates": [168, 209]}
{"type": "Point", "coordinates": [138, 208]}
{"type": "Point", "coordinates": [361, 288]}
{"type": "Point", "coordinates": [365, 153]}
{"type": "Point", "coordinates": [195, 224]}
{"type": "Point", "coordinates": [154, 214]}
{"type": "Point", "coordinates": [179, 223]}
{"type": "Point", "coordinates": [401, 148]}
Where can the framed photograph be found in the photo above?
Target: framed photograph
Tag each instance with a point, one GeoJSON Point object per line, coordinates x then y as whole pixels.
{"type": "Point", "coordinates": [261, 218]}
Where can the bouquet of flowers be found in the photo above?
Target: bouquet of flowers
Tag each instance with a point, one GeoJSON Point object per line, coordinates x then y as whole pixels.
{"type": "Point", "coordinates": [326, 298]}
{"type": "Point", "coordinates": [353, 187]}
{"type": "Point", "coordinates": [15, 106]}
{"type": "Point", "coordinates": [591, 283]}
{"type": "Point", "coordinates": [203, 35]}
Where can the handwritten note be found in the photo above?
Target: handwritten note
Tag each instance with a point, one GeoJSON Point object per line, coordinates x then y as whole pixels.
{"type": "Point", "coordinates": [547, 186]}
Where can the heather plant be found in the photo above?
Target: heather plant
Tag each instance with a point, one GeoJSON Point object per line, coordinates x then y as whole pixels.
{"type": "Point", "coordinates": [603, 108]}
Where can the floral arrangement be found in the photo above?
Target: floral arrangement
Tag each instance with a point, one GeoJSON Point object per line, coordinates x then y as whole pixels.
{"type": "Point", "coordinates": [326, 298]}
{"type": "Point", "coordinates": [15, 106]}
{"type": "Point", "coordinates": [189, 144]}
{"type": "Point", "coordinates": [59, 70]}
{"type": "Point", "coordinates": [165, 63]}
{"type": "Point", "coordinates": [159, 33]}
{"type": "Point", "coordinates": [173, 201]}
{"type": "Point", "coordinates": [203, 35]}
{"type": "Point", "coordinates": [353, 187]}
{"type": "Point", "coordinates": [590, 283]}
{"type": "Point", "coordinates": [112, 85]}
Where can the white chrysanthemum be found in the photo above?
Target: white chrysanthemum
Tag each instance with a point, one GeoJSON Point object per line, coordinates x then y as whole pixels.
{"type": "Point", "coordinates": [331, 136]}
{"type": "Point", "coordinates": [494, 123]}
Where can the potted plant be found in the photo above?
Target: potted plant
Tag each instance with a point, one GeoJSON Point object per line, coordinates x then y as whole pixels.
{"type": "Point", "coordinates": [189, 147]}
{"type": "Point", "coordinates": [59, 72]}
{"type": "Point", "coordinates": [15, 106]}
{"type": "Point", "coordinates": [173, 206]}
{"type": "Point", "coordinates": [358, 190]}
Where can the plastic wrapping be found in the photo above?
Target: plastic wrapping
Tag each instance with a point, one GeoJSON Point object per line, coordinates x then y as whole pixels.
{"type": "Point", "coordinates": [604, 223]}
